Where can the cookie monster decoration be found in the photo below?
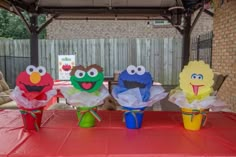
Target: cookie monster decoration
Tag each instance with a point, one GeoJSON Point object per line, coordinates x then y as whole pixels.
{"type": "Point", "coordinates": [135, 77]}
{"type": "Point", "coordinates": [87, 79]}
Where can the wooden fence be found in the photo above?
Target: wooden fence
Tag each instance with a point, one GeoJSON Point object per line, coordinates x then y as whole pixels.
{"type": "Point", "coordinates": [160, 56]}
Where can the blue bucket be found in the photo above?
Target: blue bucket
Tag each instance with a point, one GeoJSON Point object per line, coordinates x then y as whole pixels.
{"type": "Point", "coordinates": [133, 117]}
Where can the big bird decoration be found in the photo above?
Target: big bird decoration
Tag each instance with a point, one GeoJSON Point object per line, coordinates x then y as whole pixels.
{"type": "Point", "coordinates": [196, 80]}
{"type": "Point", "coordinates": [194, 94]}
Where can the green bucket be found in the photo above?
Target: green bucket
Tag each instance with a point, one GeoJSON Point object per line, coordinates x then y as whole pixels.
{"type": "Point", "coordinates": [85, 117]}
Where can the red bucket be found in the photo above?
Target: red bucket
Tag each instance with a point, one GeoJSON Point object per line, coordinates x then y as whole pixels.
{"type": "Point", "coordinates": [32, 118]}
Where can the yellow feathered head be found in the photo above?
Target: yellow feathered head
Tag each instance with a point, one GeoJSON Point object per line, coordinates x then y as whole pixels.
{"type": "Point", "coordinates": [196, 78]}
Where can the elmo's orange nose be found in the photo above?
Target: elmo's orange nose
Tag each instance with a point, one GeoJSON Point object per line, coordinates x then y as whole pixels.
{"type": "Point", "coordinates": [35, 77]}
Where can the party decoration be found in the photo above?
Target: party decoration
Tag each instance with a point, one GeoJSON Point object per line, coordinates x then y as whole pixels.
{"type": "Point", "coordinates": [87, 93]}
{"type": "Point", "coordinates": [32, 92]}
{"type": "Point", "coordinates": [34, 82]}
{"type": "Point", "coordinates": [135, 77]}
{"type": "Point", "coordinates": [193, 95]}
{"type": "Point", "coordinates": [196, 80]}
{"type": "Point", "coordinates": [134, 93]}
{"type": "Point", "coordinates": [65, 64]}
{"type": "Point", "coordinates": [87, 79]}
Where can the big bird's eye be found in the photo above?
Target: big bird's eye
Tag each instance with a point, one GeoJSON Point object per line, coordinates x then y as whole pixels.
{"type": "Point", "coordinates": [30, 69]}
{"type": "Point", "coordinates": [92, 72]}
{"type": "Point", "coordinates": [79, 73]}
{"type": "Point", "coordinates": [41, 70]}
{"type": "Point", "coordinates": [194, 76]}
{"type": "Point", "coordinates": [140, 70]}
{"type": "Point", "coordinates": [200, 76]}
{"type": "Point", "coordinates": [131, 70]}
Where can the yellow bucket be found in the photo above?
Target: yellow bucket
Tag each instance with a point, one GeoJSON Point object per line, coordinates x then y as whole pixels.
{"type": "Point", "coordinates": [193, 119]}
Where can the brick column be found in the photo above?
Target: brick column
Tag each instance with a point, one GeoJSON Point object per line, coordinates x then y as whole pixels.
{"type": "Point", "coordinates": [224, 48]}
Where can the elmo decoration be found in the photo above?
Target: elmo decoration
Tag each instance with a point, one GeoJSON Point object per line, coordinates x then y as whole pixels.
{"type": "Point", "coordinates": [34, 82]}
{"type": "Point", "coordinates": [32, 92]}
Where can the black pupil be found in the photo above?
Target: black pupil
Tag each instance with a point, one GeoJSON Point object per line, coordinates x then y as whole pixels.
{"type": "Point", "coordinates": [194, 76]}
{"type": "Point", "coordinates": [40, 70]}
{"type": "Point", "coordinates": [132, 71]}
{"type": "Point", "coordinates": [139, 69]}
{"type": "Point", "coordinates": [31, 69]}
{"type": "Point", "coordinates": [91, 73]}
{"type": "Point", "coordinates": [80, 74]}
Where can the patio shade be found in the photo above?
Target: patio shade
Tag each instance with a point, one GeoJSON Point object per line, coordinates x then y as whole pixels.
{"type": "Point", "coordinates": [105, 8]}
{"type": "Point", "coordinates": [172, 10]}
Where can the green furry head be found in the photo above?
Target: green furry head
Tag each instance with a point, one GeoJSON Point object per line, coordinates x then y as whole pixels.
{"type": "Point", "coordinates": [87, 79]}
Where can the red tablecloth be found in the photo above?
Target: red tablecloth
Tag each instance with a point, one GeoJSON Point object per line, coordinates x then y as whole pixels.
{"type": "Point", "coordinates": [162, 134]}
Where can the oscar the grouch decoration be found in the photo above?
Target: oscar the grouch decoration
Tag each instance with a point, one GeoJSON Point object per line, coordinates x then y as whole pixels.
{"type": "Point", "coordinates": [87, 93]}
{"type": "Point", "coordinates": [87, 79]}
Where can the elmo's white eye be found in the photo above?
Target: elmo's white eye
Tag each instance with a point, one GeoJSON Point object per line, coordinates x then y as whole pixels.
{"type": "Point", "coordinates": [41, 70]}
{"type": "Point", "coordinates": [140, 70]}
{"type": "Point", "coordinates": [79, 73]}
{"type": "Point", "coordinates": [131, 69]}
{"type": "Point", "coordinates": [93, 72]}
{"type": "Point", "coordinates": [30, 69]}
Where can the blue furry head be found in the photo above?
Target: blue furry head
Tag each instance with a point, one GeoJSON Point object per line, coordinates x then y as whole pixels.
{"type": "Point", "coordinates": [135, 77]}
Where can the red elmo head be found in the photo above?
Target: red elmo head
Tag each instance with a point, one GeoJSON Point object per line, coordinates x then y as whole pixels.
{"type": "Point", "coordinates": [66, 67]}
{"type": "Point", "coordinates": [35, 81]}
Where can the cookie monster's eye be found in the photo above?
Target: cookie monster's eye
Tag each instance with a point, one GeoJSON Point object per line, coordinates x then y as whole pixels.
{"type": "Point", "coordinates": [92, 72]}
{"type": "Point", "coordinates": [79, 73]}
{"type": "Point", "coordinates": [140, 70]}
{"type": "Point", "coordinates": [41, 70]}
{"type": "Point", "coordinates": [131, 69]}
{"type": "Point", "coordinates": [30, 69]}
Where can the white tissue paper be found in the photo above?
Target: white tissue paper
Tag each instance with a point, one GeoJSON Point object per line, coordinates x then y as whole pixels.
{"type": "Point", "coordinates": [210, 102]}
{"type": "Point", "coordinates": [132, 98]}
{"type": "Point", "coordinates": [84, 99]}
{"type": "Point", "coordinates": [21, 101]}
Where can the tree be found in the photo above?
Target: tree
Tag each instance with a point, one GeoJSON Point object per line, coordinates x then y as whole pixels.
{"type": "Point", "coordinates": [11, 26]}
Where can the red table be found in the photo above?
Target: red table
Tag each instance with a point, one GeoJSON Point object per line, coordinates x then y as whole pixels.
{"type": "Point", "coordinates": [162, 134]}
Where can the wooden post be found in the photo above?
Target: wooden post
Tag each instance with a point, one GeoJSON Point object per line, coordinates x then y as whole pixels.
{"type": "Point", "coordinates": [186, 39]}
{"type": "Point", "coordinates": [34, 39]}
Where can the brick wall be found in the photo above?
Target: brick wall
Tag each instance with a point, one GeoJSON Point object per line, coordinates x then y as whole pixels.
{"type": "Point", "coordinates": [224, 49]}
{"type": "Point", "coordinates": [74, 29]}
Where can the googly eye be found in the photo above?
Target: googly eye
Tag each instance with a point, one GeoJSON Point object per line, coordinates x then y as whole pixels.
{"type": "Point", "coordinates": [30, 69]}
{"type": "Point", "coordinates": [79, 73]}
{"type": "Point", "coordinates": [140, 70]}
{"type": "Point", "coordinates": [131, 69]}
{"type": "Point", "coordinates": [200, 77]}
{"type": "Point", "coordinates": [92, 72]}
{"type": "Point", "coordinates": [41, 70]}
{"type": "Point", "coordinates": [194, 76]}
